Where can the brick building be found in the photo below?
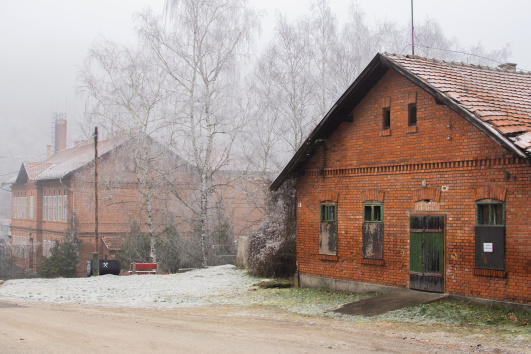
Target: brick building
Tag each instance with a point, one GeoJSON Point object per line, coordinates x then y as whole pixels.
{"type": "Point", "coordinates": [51, 197]}
{"type": "Point", "coordinates": [419, 177]}
{"type": "Point", "coordinates": [47, 195]}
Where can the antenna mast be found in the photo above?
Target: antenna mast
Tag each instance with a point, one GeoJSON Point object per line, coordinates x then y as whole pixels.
{"type": "Point", "coordinates": [412, 31]}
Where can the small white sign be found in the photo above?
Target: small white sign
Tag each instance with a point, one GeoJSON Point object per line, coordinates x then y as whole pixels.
{"type": "Point", "coordinates": [487, 247]}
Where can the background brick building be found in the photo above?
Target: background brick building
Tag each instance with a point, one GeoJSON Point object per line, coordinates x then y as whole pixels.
{"type": "Point", "coordinates": [420, 177]}
{"type": "Point", "coordinates": [53, 197]}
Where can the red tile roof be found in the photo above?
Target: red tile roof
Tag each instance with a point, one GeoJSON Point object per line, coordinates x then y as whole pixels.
{"type": "Point", "coordinates": [67, 161]}
{"type": "Point", "coordinates": [499, 98]}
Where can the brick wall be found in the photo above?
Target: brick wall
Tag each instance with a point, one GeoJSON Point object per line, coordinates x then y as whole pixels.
{"type": "Point", "coordinates": [360, 161]}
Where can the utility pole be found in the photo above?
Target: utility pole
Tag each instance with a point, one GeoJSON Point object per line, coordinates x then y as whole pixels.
{"type": "Point", "coordinates": [96, 255]}
{"type": "Point", "coordinates": [412, 31]}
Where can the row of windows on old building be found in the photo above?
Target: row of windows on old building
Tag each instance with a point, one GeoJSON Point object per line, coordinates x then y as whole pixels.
{"type": "Point", "coordinates": [55, 206]}
{"type": "Point", "coordinates": [22, 245]}
{"type": "Point", "coordinates": [20, 206]}
{"type": "Point", "coordinates": [489, 231]}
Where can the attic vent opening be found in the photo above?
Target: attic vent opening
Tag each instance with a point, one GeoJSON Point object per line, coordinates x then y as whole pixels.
{"type": "Point", "coordinates": [412, 115]}
{"type": "Point", "coordinates": [386, 118]}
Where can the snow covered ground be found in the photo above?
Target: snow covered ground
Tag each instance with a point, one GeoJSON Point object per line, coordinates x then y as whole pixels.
{"type": "Point", "coordinates": [193, 288]}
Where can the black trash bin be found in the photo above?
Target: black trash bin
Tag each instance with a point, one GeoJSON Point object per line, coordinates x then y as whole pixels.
{"type": "Point", "coordinates": [106, 267]}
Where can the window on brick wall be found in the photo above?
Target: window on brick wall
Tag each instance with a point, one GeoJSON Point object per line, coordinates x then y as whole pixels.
{"type": "Point", "coordinates": [54, 207]}
{"type": "Point", "coordinates": [45, 207]}
{"type": "Point", "coordinates": [490, 235]}
{"type": "Point", "coordinates": [65, 210]}
{"type": "Point", "coordinates": [50, 206]}
{"type": "Point", "coordinates": [386, 118]}
{"type": "Point", "coordinates": [31, 207]}
{"type": "Point", "coordinates": [59, 207]}
{"type": "Point", "coordinates": [328, 229]}
{"type": "Point", "coordinates": [412, 115]}
{"type": "Point", "coordinates": [373, 230]}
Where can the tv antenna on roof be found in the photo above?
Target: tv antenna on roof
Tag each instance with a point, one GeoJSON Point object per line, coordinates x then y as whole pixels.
{"type": "Point", "coordinates": [412, 32]}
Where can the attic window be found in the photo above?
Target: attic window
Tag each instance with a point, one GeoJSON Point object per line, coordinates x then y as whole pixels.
{"type": "Point", "coordinates": [412, 115]}
{"type": "Point", "coordinates": [386, 118]}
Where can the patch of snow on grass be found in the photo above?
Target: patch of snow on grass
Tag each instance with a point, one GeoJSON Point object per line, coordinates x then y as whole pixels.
{"type": "Point", "coordinates": [193, 288]}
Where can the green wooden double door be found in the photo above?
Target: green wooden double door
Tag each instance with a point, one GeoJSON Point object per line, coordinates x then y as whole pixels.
{"type": "Point", "coordinates": [426, 253]}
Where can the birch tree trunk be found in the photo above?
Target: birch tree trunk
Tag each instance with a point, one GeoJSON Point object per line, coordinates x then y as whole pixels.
{"type": "Point", "coordinates": [197, 44]}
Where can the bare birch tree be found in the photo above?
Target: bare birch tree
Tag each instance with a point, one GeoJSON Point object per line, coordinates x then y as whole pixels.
{"type": "Point", "coordinates": [294, 81]}
{"type": "Point", "coordinates": [324, 41]}
{"type": "Point", "coordinates": [198, 43]}
{"type": "Point", "coordinates": [125, 94]}
{"type": "Point", "coordinates": [357, 46]}
{"type": "Point", "coordinates": [264, 132]}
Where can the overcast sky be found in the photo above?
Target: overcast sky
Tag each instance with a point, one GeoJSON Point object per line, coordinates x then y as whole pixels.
{"type": "Point", "coordinates": [44, 42]}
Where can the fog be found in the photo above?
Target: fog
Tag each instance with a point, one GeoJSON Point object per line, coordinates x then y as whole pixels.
{"type": "Point", "coordinates": [43, 44]}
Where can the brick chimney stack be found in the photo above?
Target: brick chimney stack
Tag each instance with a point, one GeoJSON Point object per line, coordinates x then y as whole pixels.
{"type": "Point", "coordinates": [60, 134]}
{"type": "Point", "coordinates": [508, 66]}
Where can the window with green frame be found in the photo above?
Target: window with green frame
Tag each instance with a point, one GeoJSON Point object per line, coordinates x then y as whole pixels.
{"type": "Point", "coordinates": [490, 213]}
{"type": "Point", "coordinates": [373, 231]}
{"type": "Point", "coordinates": [372, 212]}
{"type": "Point", "coordinates": [328, 212]}
{"type": "Point", "coordinates": [328, 229]}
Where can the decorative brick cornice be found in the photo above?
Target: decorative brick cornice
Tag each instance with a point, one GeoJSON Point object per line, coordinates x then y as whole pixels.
{"type": "Point", "coordinates": [329, 196]}
{"type": "Point", "coordinates": [427, 194]}
{"type": "Point", "coordinates": [490, 192]}
{"type": "Point", "coordinates": [419, 167]}
{"type": "Point", "coordinates": [372, 194]}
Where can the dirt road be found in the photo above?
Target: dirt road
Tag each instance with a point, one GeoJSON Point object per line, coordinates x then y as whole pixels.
{"type": "Point", "coordinates": [40, 328]}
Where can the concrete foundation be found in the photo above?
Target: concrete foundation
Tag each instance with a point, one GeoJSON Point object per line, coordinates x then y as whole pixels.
{"type": "Point", "coordinates": [311, 281]}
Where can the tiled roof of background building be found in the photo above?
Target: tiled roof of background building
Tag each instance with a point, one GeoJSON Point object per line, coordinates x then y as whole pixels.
{"type": "Point", "coordinates": [66, 161]}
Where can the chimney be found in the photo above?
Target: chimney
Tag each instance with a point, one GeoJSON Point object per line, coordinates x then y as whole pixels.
{"type": "Point", "coordinates": [60, 134]}
{"type": "Point", "coordinates": [48, 151]}
{"type": "Point", "coordinates": [508, 66]}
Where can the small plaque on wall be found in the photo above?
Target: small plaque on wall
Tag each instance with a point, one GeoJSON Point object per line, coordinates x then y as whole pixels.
{"type": "Point", "coordinates": [487, 247]}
